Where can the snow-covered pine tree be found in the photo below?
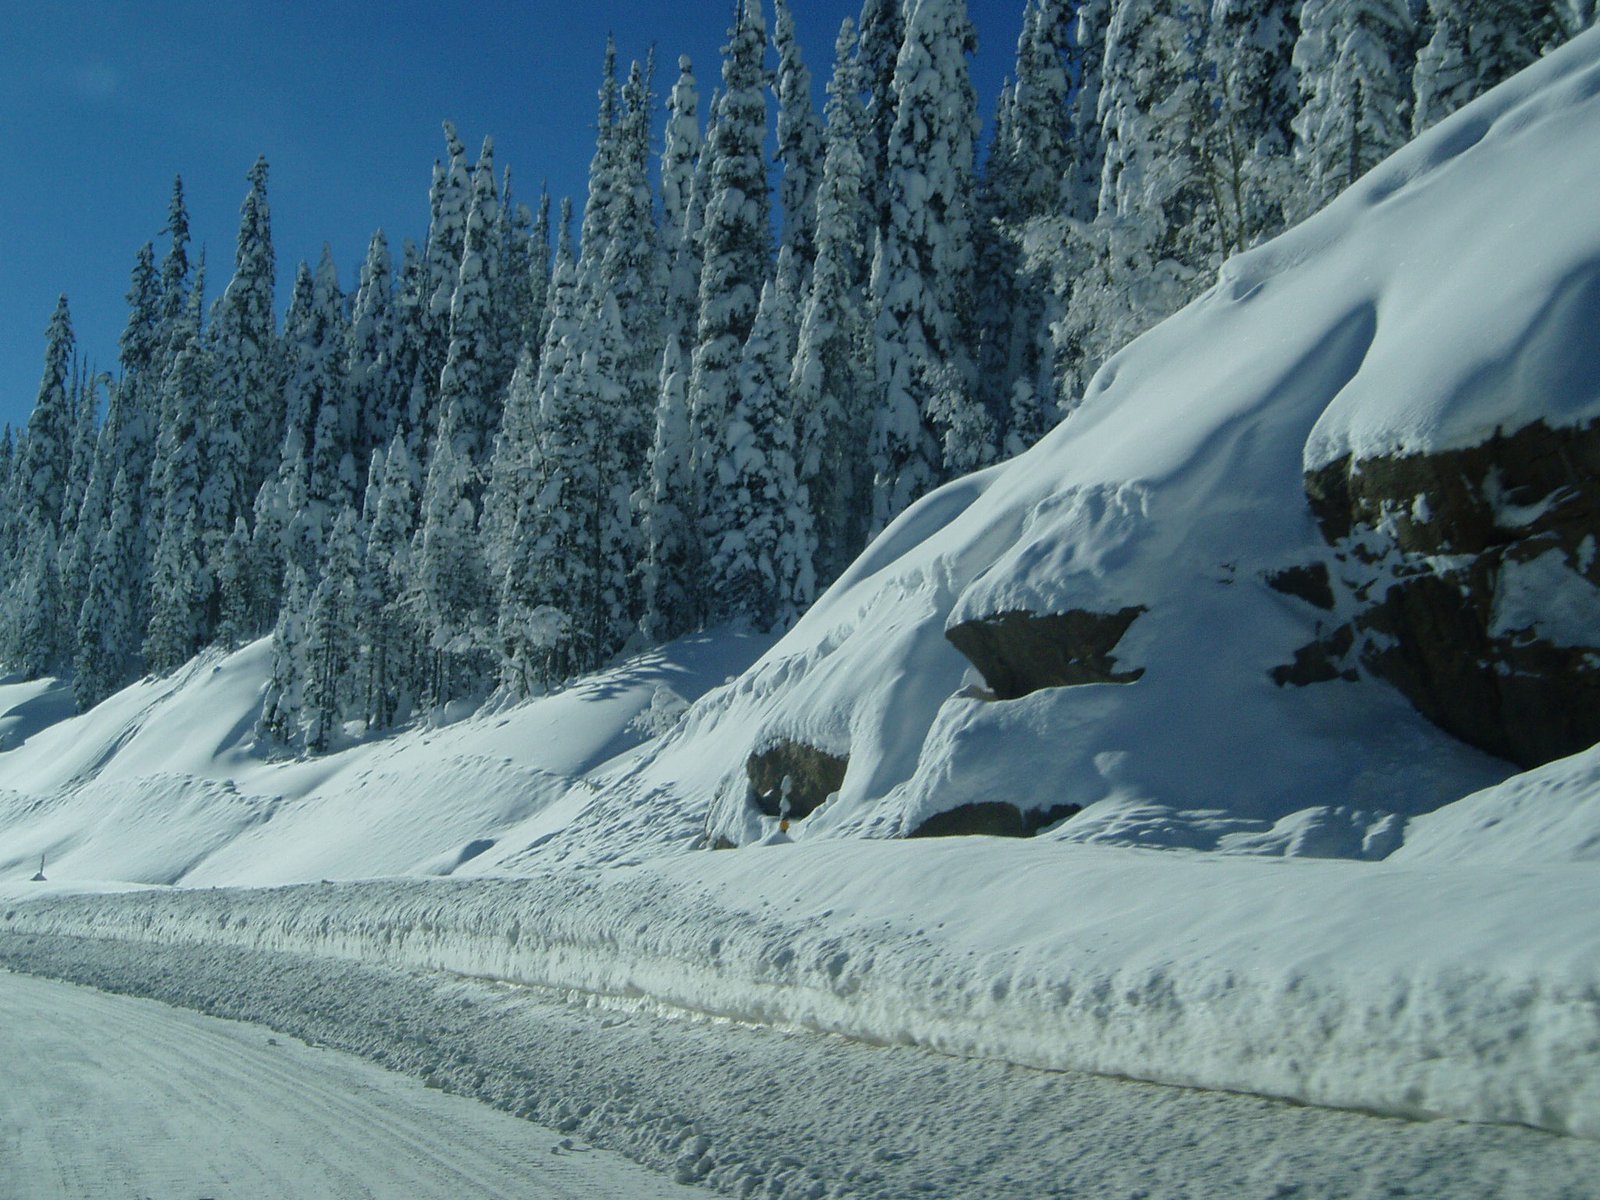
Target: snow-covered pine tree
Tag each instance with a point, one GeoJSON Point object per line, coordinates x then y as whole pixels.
{"type": "Point", "coordinates": [87, 496]}
{"type": "Point", "coordinates": [84, 400]}
{"type": "Point", "coordinates": [630, 274]}
{"type": "Point", "coordinates": [515, 480]}
{"type": "Point", "coordinates": [1249, 54]}
{"type": "Point", "coordinates": [736, 239]}
{"type": "Point", "coordinates": [1355, 92]}
{"type": "Point", "coordinates": [831, 378]}
{"type": "Point", "coordinates": [678, 159]}
{"type": "Point", "coordinates": [140, 343]}
{"type": "Point", "coordinates": [38, 637]}
{"type": "Point", "coordinates": [440, 272]}
{"type": "Point", "coordinates": [1154, 118]}
{"type": "Point", "coordinates": [1042, 131]}
{"type": "Point", "coordinates": [285, 531]}
{"type": "Point", "coordinates": [174, 281]}
{"type": "Point", "coordinates": [523, 276]}
{"type": "Point", "coordinates": [1029, 172]}
{"type": "Point", "coordinates": [539, 265]}
{"type": "Point", "coordinates": [448, 579]}
{"type": "Point", "coordinates": [532, 633]}
{"type": "Point", "coordinates": [930, 423]}
{"type": "Point", "coordinates": [527, 527]}
{"type": "Point", "coordinates": [318, 402]}
{"type": "Point", "coordinates": [383, 624]}
{"type": "Point", "coordinates": [515, 460]}
{"type": "Point", "coordinates": [331, 646]}
{"type": "Point", "coordinates": [597, 492]}
{"type": "Point", "coordinates": [180, 587]}
{"type": "Point", "coordinates": [761, 563]}
{"type": "Point", "coordinates": [108, 623]}
{"type": "Point", "coordinates": [667, 527]}
{"type": "Point", "coordinates": [881, 31]}
{"type": "Point", "coordinates": [128, 436]}
{"type": "Point", "coordinates": [283, 704]}
{"type": "Point", "coordinates": [566, 562]}
{"type": "Point", "coordinates": [1475, 45]}
{"type": "Point", "coordinates": [88, 512]}
{"type": "Point", "coordinates": [468, 382]}
{"type": "Point", "coordinates": [236, 585]}
{"type": "Point", "coordinates": [46, 452]}
{"type": "Point", "coordinates": [377, 394]}
{"type": "Point", "coordinates": [1155, 237]}
{"type": "Point", "coordinates": [1081, 191]}
{"type": "Point", "coordinates": [34, 615]}
{"type": "Point", "coordinates": [800, 144]}
{"type": "Point", "coordinates": [246, 417]}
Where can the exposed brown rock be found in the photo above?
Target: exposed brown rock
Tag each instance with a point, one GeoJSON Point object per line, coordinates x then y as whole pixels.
{"type": "Point", "coordinates": [1310, 584]}
{"type": "Point", "coordinates": [796, 772]}
{"type": "Point", "coordinates": [992, 818]}
{"type": "Point", "coordinates": [1469, 493]}
{"type": "Point", "coordinates": [1424, 541]}
{"type": "Point", "coordinates": [1022, 652]}
{"type": "Point", "coordinates": [1321, 661]}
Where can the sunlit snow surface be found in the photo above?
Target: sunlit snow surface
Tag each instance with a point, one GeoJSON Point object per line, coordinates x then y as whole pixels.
{"type": "Point", "coordinates": [1453, 292]}
{"type": "Point", "coordinates": [1450, 965]}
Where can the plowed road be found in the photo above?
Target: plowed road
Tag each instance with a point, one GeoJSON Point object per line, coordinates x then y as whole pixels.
{"type": "Point", "coordinates": [107, 1096]}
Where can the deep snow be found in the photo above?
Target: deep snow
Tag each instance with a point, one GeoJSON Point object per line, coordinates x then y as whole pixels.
{"type": "Point", "coordinates": [1450, 293]}
{"type": "Point", "coordinates": [1450, 965]}
{"type": "Point", "coordinates": [754, 1111]}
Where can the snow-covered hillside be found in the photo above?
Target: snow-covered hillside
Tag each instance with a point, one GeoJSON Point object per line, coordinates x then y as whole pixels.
{"type": "Point", "coordinates": [165, 783]}
{"type": "Point", "coordinates": [1449, 295]}
{"type": "Point", "coordinates": [1138, 588]}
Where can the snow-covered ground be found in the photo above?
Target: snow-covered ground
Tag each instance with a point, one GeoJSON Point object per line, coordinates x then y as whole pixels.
{"type": "Point", "coordinates": [105, 1096]}
{"type": "Point", "coordinates": [1414, 991]}
{"type": "Point", "coordinates": [1440, 960]}
{"type": "Point", "coordinates": [755, 1111]}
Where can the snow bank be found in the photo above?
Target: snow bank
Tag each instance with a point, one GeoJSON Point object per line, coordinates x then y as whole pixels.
{"type": "Point", "coordinates": [1547, 815]}
{"type": "Point", "coordinates": [1418, 991]}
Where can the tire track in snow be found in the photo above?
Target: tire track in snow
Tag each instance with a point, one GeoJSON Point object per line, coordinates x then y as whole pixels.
{"type": "Point", "coordinates": [104, 1096]}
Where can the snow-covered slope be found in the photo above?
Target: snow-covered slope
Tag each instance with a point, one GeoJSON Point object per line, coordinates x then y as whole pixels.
{"type": "Point", "coordinates": [1454, 969]}
{"type": "Point", "coordinates": [165, 782]}
{"type": "Point", "coordinates": [1450, 294]}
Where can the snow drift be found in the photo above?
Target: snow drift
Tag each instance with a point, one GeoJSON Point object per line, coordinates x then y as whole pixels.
{"type": "Point", "coordinates": [1144, 558]}
{"type": "Point", "coordinates": [1449, 295]}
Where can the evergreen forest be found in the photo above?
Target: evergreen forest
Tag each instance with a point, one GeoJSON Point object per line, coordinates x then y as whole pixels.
{"type": "Point", "coordinates": [552, 431]}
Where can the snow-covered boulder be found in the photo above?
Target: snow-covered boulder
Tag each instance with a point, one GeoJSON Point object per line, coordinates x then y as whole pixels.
{"type": "Point", "coordinates": [1354, 480]}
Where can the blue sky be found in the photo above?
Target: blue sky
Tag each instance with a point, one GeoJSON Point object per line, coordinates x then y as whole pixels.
{"type": "Point", "coordinates": [105, 101]}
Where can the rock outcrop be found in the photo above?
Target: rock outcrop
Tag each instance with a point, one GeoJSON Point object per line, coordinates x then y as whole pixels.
{"type": "Point", "coordinates": [1022, 652]}
{"type": "Point", "coordinates": [791, 779]}
{"type": "Point", "coordinates": [992, 818]}
{"type": "Point", "coordinates": [1475, 579]}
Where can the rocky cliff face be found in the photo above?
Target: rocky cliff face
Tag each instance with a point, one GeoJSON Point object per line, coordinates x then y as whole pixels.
{"type": "Point", "coordinates": [1475, 578]}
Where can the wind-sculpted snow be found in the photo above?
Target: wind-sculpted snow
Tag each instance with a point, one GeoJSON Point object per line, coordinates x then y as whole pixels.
{"type": "Point", "coordinates": [165, 781]}
{"type": "Point", "coordinates": [1472, 994]}
{"type": "Point", "coordinates": [1449, 294]}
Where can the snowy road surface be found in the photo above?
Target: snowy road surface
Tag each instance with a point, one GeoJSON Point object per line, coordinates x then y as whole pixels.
{"type": "Point", "coordinates": [752, 1111]}
{"type": "Point", "coordinates": [113, 1096]}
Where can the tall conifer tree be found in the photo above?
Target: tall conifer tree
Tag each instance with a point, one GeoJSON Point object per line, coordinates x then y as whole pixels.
{"type": "Point", "coordinates": [930, 422]}
{"type": "Point", "coordinates": [736, 239]}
